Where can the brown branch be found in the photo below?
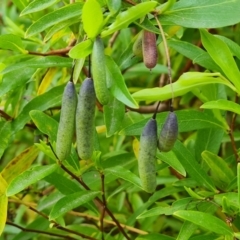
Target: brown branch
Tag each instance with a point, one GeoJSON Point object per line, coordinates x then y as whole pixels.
{"type": "Point", "coordinates": [113, 39]}
{"type": "Point", "coordinates": [150, 108]}
{"type": "Point", "coordinates": [5, 115]}
{"type": "Point", "coordinates": [61, 52]}
{"type": "Point", "coordinates": [38, 231]}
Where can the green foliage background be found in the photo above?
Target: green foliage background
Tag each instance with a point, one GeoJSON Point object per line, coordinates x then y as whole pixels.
{"type": "Point", "coordinates": [198, 182]}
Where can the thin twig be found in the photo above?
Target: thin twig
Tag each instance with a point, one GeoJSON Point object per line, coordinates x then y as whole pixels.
{"type": "Point", "coordinates": [5, 115]}
{"type": "Point", "coordinates": [150, 108]}
{"type": "Point", "coordinates": [129, 228]}
{"type": "Point", "coordinates": [79, 180]}
{"type": "Point", "coordinates": [61, 52]}
{"type": "Point", "coordinates": [113, 39]}
{"type": "Point", "coordinates": [167, 56]}
{"type": "Point", "coordinates": [39, 231]}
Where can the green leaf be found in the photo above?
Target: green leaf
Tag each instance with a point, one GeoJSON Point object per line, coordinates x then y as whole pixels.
{"type": "Point", "coordinates": [45, 123]}
{"type": "Point", "coordinates": [15, 79]}
{"type": "Point", "coordinates": [81, 50]}
{"type": "Point", "coordinates": [202, 14]}
{"type": "Point", "coordinates": [117, 84]}
{"type": "Point", "coordinates": [29, 177]}
{"type": "Point", "coordinates": [154, 236]}
{"type": "Point", "coordinates": [222, 56]}
{"type": "Point", "coordinates": [196, 54]}
{"type": "Point", "coordinates": [238, 182]}
{"type": "Point", "coordinates": [37, 5]}
{"type": "Point", "coordinates": [59, 26]}
{"type": "Point", "coordinates": [172, 161]}
{"type": "Point", "coordinates": [192, 167]}
{"type": "Point", "coordinates": [72, 201]}
{"type": "Point", "coordinates": [222, 104]}
{"type": "Point", "coordinates": [169, 210]}
{"type": "Point", "coordinates": [205, 220]}
{"type": "Point", "coordinates": [5, 133]}
{"type": "Point", "coordinates": [125, 174]}
{"type": "Point", "coordinates": [114, 113]}
{"type": "Point", "coordinates": [114, 5]}
{"type": "Point", "coordinates": [40, 62]}
{"type": "Point", "coordinates": [50, 19]}
{"type": "Point", "coordinates": [123, 19]}
{"type": "Point", "coordinates": [188, 120]}
{"type": "Point", "coordinates": [3, 203]}
{"type": "Point", "coordinates": [92, 18]}
{"type": "Point", "coordinates": [49, 99]}
{"type": "Point", "coordinates": [62, 184]}
{"type": "Point", "coordinates": [186, 231]}
{"type": "Point", "coordinates": [12, 42]}
{"type": "Point", "coordinates": [20, 163]}
{"type": "Point", "coordinates": [187, 82]}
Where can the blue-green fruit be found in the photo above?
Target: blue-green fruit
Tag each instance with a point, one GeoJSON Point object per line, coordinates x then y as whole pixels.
{"type": "Point", "coordinates": [169, 133]}
{"type": "Point", "coordinates": [147, 156]}
{"type": "Point", "coordinates": [85, 116]}
{"type": "Point", "coordinates": [66, 125]}
{"type": "Point", "coordinates": [99, 72]}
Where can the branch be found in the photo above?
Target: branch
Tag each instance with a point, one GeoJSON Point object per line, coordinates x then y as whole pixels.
{"type": "Point", "coordinates": [39, 231]}
{"type": "Point", "coordinates": [61, 52]}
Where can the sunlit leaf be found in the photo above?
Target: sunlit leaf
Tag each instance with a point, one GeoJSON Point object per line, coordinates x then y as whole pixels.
{"type": "Point", "coordinates": [12, 42]}
{"type": "Point", "coordinates": [72, 201]}
{"type": "Point", "coordinates": [20, 182]}
{"type": "Point", "coordinates": [81, 50]}
{"type": "Point", "coordinates": [3, 203]}
{"type": "Point", "coordinates": [205, 220]}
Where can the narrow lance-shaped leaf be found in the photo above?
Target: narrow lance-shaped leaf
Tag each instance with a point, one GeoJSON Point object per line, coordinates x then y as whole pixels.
{"type": "Point", "coordinates": [62, 14]}
{"type": "Point", "coordinates": [5, 133]}
{"type": "Point", "coordinates": [192, 167]}
{"type": "Point", "coordinates": [186, 83]}
{"type": "Point", "coordinates": [222, 104]}
{"type": "Point", "coordinates": [202, 14]}
{"type": "Point", "coordinates": [123, 19]}
{"type": "Point", "coordinates": [37, 5]}
{"type": "Point", "coordinates": [12, 42]}
{"type": "Point", "coordinates": [72, 201]}
{"type": "Point", "coordinates": [238, 183]}
{"type": "Point", "coordinates": [81, 50]}
{"type": "Point", "coordinates": [222, 56]}
{"type": "Point", "coordinates": [205, 220]}
{"type": "Point", "coordinates": [29, 177]}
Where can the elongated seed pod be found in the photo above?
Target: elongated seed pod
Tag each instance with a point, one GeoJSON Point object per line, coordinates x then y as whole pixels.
{"type": "Point", "coordinates": [66, 125]}
{"type": "Point", "coordinates": [137, 46]}
{"type": "Point", "coordinates": [147, 156]}
{"type": "Point", "coordinates": [99, 72]}
{"type": "Point", "coordinates": [85, 116]}
{"type": "Point", "coordinates": [169, 133]}
{"type": "Point", "coordinates": [149, 45]}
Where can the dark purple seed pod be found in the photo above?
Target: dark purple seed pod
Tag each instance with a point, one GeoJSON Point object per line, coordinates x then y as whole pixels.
{"type": "Point", "coordinates": [169, 133]}
{"type": "Point", "coordinates": [149, 45]}
{"type": "Point", "coordinates": [147, 156]}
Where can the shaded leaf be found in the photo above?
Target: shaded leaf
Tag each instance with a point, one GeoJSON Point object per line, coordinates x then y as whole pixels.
{"type": "Point", "coordinates": [45, 123]}
{"type": "Point", "coordinates": [205, 220]}
{"type": "Point", "coordinates": [202, 14]}
{"type": "Point", "coordinates": [117, 84]}
{"type": "Point", "coordinates": [20, 182]}
{"type": "Point", "coordinates": [192, 167]}
{"type": "Point", "coordinates": [49, 99]}
{"type": "Point", "coordinates": [72, 201]}
{"type": "Point", "coordinates": [114, 113]}
{"type": "Point", "coordinates": [123, 19]}
{"type": "Point", "coordinates": [188, 120]}
{"type": "Point", "coordinates": [125, 174]}
{"type": "Point", "coordinates": [154, 236]}
{"type": "Point", "coordinates": [114, 5]}
{"type": "Point", "coordinates": [20, 163]}
{"type": "Point", "coordinates": [57, 16]}
{"type": "Point", "coordinates": [5, 133]}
